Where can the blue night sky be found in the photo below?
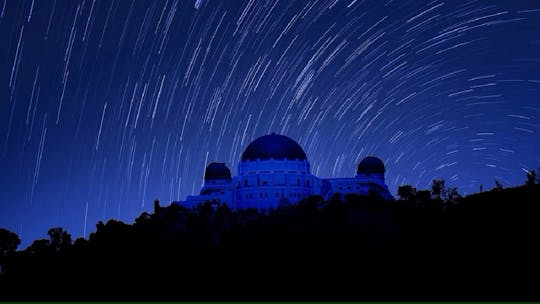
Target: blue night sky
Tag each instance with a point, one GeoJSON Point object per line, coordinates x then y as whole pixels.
{"type": "Point", "coordinates": [107, 105]}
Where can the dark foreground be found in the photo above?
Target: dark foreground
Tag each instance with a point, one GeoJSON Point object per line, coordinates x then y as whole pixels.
{"type": "Point", "coordinates": [485, 247]}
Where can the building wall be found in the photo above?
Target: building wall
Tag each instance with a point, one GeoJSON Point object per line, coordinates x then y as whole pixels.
{"type": "Point", "coordinates": [269, 184]}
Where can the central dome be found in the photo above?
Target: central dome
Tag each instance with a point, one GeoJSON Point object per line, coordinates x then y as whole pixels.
{"type": "Point", "coordinates": [273, 146]}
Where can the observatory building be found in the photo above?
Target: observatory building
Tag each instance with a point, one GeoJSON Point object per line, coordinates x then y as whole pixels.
{"type": "Point", "coordinates": [274, 171]}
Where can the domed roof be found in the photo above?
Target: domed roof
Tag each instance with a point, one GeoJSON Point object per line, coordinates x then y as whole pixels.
{"type": "Point", "coordinates": [273, 146]}
{"type": "Point", "coordinates": [371, 164]}
{"type": "Point", "coordinates": [217, 171]}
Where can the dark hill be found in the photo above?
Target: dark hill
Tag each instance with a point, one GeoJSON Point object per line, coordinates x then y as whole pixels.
{"type": "Point", "coordinates": [482, 247]}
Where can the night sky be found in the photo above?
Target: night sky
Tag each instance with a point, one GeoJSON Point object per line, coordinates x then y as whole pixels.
{"type": "Point", "coordinates": [107, 105]}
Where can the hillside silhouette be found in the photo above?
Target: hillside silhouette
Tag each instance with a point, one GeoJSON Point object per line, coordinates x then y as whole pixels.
{"type": "Point", "coordinates": [427, 245]}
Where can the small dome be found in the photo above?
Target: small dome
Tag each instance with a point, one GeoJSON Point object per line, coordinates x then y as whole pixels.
{"type": "Point", "coordinates": [217, 171]}
{"type": "Point", "coordinates": [371, 165]}
{"type": "Point", "coordinates": [273, 146]}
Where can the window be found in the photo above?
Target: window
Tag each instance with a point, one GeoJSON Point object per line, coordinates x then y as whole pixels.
{"type": "Point", "coordinates": [245, 182]}
{"type": "Point", "coordinates": [279, 179]}
{"type": "Point", "coordinates": [307, 183]}
{"type": "Point", "coordinates": [277, 195]}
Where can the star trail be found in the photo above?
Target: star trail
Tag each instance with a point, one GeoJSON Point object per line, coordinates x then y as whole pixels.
{"type": "Point", "coordinates": [107, 105]}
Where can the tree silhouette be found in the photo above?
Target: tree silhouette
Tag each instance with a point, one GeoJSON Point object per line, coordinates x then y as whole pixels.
{"type": "Point", "coordinates": [144, 217]}
{"type": "Point", "coordinates": [59, 238]}
{"type": "Point", "coordinates": [9, 241]}
{"type": "Point", "coordinates": [452, 195]}
{"type": "Point", "coordinates": [531, 178]}
{"type": "Point", "coordinates": [157, 207]}
{"type": "Point", "coordinates": [80, 242]}
{"type": "Point", "coordinates": [498, 185]}
{"type": "Point", "coordinates": [437, 188]}
{"type": "Point", "coordinates": [406, 192]}
{"type": "Point", "coordinates": [39, 247]}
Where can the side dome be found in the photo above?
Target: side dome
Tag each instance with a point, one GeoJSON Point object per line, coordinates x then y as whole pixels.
{"type": "Point", "coordinates": [217, 171]}
{"type": "Point", "coordinates": [370, 165]}
{"type": "Point", "coordinates": [273, 146]}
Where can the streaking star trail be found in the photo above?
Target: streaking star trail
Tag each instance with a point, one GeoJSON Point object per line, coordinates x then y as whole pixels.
{"type": "Point", "coordinates": [107, 105]}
